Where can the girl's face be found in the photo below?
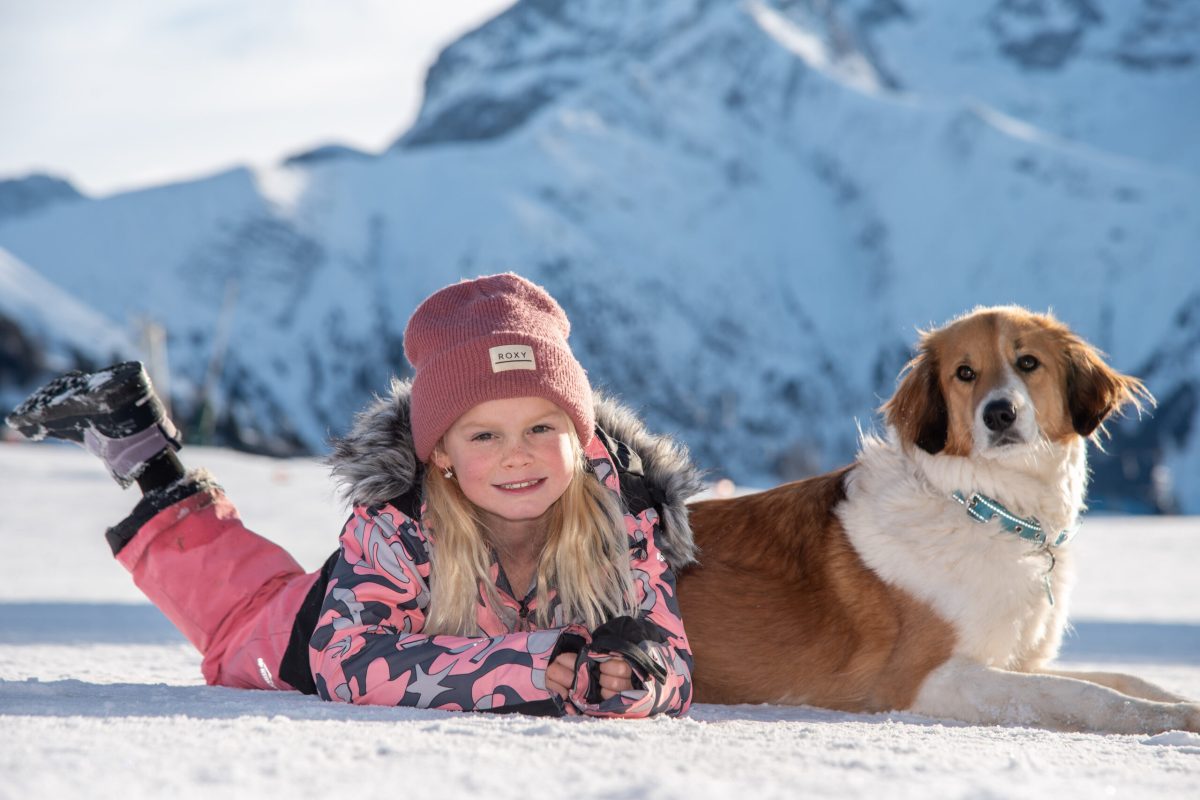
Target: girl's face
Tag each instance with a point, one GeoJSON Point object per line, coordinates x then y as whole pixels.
{"type": "Point", "coordinates": [512, 458]}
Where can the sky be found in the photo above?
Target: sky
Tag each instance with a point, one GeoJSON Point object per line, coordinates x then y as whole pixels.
{"type": "Point", "coordinates": [122, 94]}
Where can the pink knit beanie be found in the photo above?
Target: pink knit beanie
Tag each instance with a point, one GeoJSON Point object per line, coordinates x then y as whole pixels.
{"type": "Point", "coordinates": [491, 338]}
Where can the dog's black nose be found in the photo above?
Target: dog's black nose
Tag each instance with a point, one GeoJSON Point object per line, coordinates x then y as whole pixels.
{"type": "Point", "coordinates": [999, 415]}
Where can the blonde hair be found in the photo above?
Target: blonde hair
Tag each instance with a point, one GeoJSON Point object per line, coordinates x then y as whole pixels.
{"type": "Point", "coordinates": [585, 557]}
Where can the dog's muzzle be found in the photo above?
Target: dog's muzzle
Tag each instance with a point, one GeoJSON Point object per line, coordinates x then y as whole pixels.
{"type": "Point", "coordinates": [999, 415]}
{"type": "Point", "coordinates": [1000, 418]}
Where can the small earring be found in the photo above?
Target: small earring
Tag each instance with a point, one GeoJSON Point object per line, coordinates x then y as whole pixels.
{"type": "Point", "coordinates": [449, 473]}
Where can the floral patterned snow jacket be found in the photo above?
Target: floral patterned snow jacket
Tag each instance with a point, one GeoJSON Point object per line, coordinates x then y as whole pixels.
{"type": "Point", "coordinates": [367, 644]}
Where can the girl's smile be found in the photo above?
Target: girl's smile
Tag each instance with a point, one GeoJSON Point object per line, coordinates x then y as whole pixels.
{"type": "Point", "coordinates": [521, 486]}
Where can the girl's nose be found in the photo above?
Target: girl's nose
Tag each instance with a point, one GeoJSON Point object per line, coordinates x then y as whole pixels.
{"type": "Point", "coordinates": [517, 453]}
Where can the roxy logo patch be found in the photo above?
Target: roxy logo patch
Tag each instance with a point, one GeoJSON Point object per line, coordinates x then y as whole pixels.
{"type": "Point", "coordinates": [512, 356]}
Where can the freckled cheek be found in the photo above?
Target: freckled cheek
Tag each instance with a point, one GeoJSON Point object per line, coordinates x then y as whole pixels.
{"type": "Point", "coordinates": [557, 456]}
{"type": "Point", "coordinates": [473, 472]}
{"type": "Point", "coordinates": [476, 489]}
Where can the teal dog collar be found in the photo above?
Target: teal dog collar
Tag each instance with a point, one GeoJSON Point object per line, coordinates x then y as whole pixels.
{"type": "Point", "coordinates": [982, 508]}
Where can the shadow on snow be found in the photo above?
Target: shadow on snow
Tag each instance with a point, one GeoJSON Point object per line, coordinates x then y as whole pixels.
{"type": "Point", "coordinates": [142, 623]}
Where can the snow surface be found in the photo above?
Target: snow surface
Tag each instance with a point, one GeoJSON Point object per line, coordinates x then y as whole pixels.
{"type": "Point", "coordinates": [101, 697]}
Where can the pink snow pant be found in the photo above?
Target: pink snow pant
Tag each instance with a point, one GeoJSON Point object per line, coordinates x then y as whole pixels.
{"type": "Point", "coordinates": [232, 593]}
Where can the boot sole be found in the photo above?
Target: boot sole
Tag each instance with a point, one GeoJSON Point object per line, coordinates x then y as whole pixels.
{"type": "Point", "coordinates": [70, 404]}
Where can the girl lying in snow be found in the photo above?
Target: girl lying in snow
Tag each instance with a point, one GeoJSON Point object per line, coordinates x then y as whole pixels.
{"type": "Point", "coordinates": [504, 552]}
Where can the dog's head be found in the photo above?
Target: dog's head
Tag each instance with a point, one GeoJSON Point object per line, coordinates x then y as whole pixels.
{"type": "Point", "coordinates": [1001, 378]}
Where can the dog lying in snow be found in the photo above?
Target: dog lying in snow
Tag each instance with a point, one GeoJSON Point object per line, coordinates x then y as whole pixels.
{"type": "Point", "coordinates": [932, 574]}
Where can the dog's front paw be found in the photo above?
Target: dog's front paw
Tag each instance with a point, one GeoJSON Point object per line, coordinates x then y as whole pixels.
{"type": "Point", "coordinates": [1192, 723]}
{"type": "Point", "coordinates": [1140, 717]}
{"type": "Point", "coordinates": [1183, 716]}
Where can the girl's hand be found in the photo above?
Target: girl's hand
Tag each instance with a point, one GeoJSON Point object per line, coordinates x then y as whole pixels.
{"type": "Point", "coordinates": [561, 674]}
{"type": "Point", "coordinates": [616, 676]}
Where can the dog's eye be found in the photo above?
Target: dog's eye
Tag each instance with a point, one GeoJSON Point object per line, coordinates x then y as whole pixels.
{"type": "Point", "coordinates": [965, 374]}
{"type": "Point", "coordinates": [1027, 363]}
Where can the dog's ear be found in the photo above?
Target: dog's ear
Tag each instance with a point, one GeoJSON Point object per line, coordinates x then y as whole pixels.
{"type": "Point", "coordinates": [918, 409]}
{"type": "Point", "coordinates": [1095, 390]}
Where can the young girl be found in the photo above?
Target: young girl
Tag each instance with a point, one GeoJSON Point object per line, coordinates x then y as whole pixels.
{"type": "Point", "coordinates": [493, 560]}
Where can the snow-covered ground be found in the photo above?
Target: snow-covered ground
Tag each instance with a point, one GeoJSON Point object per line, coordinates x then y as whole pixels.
{"type": "Point", "coordinates": [100, 697]}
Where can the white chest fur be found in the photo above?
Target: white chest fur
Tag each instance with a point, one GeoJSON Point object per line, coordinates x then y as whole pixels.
{"type": "Point", "coordinates": [989, 584]}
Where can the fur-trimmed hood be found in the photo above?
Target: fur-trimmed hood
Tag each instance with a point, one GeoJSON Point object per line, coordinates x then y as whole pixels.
{"type": "Point", "coordinates": [376, 462]}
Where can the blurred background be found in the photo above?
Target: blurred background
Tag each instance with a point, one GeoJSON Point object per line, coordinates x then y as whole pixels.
{"type": "Point", "coordinates": [748, 208]}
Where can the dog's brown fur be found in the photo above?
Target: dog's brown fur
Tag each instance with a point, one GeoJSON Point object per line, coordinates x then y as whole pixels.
{"type": "Point", "coordinates": [783, 610]}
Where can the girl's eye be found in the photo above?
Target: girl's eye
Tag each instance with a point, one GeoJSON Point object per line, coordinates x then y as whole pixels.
{"type": "Point", "coordinates": [542, 428]}
{"type": "Point", "coordinates": [482, 437]}
{"type": "Point", "coordinates": [965, 374]}
{"type": "Point", "coordinates": [1027, 363]}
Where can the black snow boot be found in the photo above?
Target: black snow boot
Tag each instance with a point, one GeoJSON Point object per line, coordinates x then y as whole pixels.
{"type": "Point", "coordinates": [113, 412]}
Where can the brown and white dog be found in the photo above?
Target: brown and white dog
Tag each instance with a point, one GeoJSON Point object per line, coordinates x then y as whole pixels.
{"type": "Point", "coordinates": [873, 588]}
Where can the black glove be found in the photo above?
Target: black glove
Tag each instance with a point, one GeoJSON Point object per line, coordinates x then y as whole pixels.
{"type": "Point", "coordinates": [626, 637]}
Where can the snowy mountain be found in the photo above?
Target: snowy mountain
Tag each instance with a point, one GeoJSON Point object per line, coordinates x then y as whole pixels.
{"type": "Point", "coordinates": [746, 208]}
{"type": "Point", "coordinates": [44, 330]}
{"type": "Point", "coordinates": [19, 196]}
